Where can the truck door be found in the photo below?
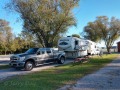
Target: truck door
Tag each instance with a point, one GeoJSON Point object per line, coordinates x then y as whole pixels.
{"type": "Point", "coordinates": [41, 56]}
{"type": "Point", "coordinates": [49, 55]}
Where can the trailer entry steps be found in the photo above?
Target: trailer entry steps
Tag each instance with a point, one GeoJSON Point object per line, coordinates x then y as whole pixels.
{"type": "Point", "coordinates": [81, 60]}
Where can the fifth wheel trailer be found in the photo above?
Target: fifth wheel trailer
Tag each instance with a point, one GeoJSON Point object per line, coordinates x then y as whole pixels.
{"type": "Point", "coordinates": [76, 47]}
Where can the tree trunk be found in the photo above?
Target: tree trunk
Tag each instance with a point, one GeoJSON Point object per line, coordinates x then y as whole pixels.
{"type": "Point", "coordinates": [108, 50]}
{"type": "Point", "coordinates": [48, 44]}
{"type": "Point", "coordinates": [5, 52]}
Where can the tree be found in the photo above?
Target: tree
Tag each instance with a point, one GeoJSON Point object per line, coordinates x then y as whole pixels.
{"type": "Point", "coordinates": [46, 18]}
{"type": "Point", "coordinates": [15, 45]}
{"type": "Point", "coordinates": [90, 32]}
{"type": "Point", "coordinates": [9, 43]}
{"type": "Point", "coordinates": [5, 35]}
{"type": "Point", "coordinates": [27, 39]}
{"type": "Point", "coordinates": [104, 29]}
{"type": "Point", "coordinates": [76, 35]}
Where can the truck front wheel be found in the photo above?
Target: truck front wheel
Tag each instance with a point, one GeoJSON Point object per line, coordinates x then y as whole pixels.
{"type": "Point", "coordinates": [61, 60]}
{"type": "Point", "coordinates": [29, 66]}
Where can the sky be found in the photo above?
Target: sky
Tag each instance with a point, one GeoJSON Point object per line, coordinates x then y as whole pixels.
{"type": "Point", "coordinates": [87, 11]}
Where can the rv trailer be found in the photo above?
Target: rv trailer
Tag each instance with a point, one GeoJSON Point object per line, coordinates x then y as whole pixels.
{"type": "Point", "coordinates": [75, 47]}
{"type": "Point", "coordinates": [92, 47]}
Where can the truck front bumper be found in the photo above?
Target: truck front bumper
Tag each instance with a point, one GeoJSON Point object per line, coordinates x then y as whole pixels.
{"type": "Point", "coordinates": [17, 64]}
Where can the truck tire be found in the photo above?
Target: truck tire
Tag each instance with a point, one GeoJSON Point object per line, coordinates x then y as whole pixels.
{"type": "Point", "coordinates": [61, 60]}
{"type": "Point", "coordinates": [29, 65]}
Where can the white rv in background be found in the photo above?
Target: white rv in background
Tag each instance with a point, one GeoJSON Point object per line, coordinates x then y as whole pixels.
{"type": "Point", "coordinates": [98, 50]}
{"type": "Point", "coordinates": [76, 47]}
{"type": "Point", "coordinates": [92, 47]}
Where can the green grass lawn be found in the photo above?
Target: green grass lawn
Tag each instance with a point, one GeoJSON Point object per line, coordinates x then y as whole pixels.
{"type": "Point", "coordinates": [4, 66]}
{"type": "Point", "coordinates": [54, 78]}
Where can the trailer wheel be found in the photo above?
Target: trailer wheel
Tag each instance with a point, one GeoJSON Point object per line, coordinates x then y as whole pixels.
{"type": "Point", "coordinates": [61, 60]}
{"type": "Point", "coordinates": [29, 66]}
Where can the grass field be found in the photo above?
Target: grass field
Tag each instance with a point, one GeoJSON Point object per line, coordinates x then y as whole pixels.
{"type": "Point", "coordinates": [54, 78]}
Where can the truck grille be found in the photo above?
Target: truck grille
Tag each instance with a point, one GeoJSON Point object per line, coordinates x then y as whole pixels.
{"type": "Point", "coordinates": [14, 58]}
{"type": "Point", "coordinates": [13, 61]}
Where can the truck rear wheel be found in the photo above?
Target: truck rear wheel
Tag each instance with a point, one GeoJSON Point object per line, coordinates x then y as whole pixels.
{"type": "Point", "coordinates": [61, 60]}
{"type": "Point", "coordinates": [29, 66]}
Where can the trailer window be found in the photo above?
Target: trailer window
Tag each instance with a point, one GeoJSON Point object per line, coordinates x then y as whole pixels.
{"type": "Point", "coordinates": [63, 43]}
{"type": "Point", "coordinates": [95, 47]}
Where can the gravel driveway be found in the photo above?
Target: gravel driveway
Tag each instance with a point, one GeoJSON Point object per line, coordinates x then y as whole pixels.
{"type": "Point", "coordinates": [4, 59]}
{"type": "Point", "coordinates": [6, 73]}
{"type": "Point", "coordinates": [107, 78]}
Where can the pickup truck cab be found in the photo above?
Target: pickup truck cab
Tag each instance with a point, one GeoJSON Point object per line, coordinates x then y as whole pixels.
{"type": "Point", "coordinates": [35, 57]}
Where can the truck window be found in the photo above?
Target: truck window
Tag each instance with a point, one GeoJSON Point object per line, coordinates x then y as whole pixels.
{"type": "Point", "coordinates": [42, 52]}
{"type": "Point", "coordinates": [48, 51]}
{"type": "Point", "coordinates": [32, 51]}
{"type": "Point", "coordinates": [38, 53]}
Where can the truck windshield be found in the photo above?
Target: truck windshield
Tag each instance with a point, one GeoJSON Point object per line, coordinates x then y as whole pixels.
{"type": "Point", "coordinates": [32, 51]}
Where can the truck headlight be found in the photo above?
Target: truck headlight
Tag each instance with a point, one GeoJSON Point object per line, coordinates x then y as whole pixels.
{"type": "Point", "coordinates": [22, 58]}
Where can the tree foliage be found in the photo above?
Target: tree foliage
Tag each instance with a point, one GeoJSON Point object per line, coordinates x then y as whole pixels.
{"type": "Point", "coordinates": [5, 35]}
{"type": "Point", "coordinates": [76, 35]}
{"type": "Point", "coordinates": [24, 41]}
{"type": "Point", "coordinates": [47, 19]}
{"type": "Point", "coordinates": [9, 43]}
{"type": "Point", "coordinates": [27, 39]}
{"type": "Point", "coordinates": [105, 29]}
